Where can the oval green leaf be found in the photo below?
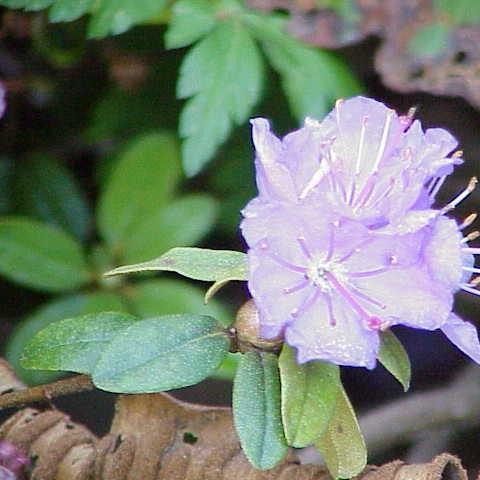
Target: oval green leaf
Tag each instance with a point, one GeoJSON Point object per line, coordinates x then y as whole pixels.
{"type": "Point", "coordinates": [309, 395]}
{"type": "Point", "coordinates": [74, 344]}
{"type": "Point", "coordinates": [58, 309]}
{"type": "Point", "coordinates": [256, 410]}
{"type": "Point", "coordinates": [46, 190]}
{"type": "Point", "coordinates": [40, 257]}
{"type": "Point", "coordinates": [395, 359]}
{"type": "Point", "coordinates": [142, 180]}
{"type": "Point", "coordinates": [197, 263]}
{"type": "Point", "coordinates": [342, 446]}
{"type": "Point", "coordinates": [163, 353]}
{"type": "Point", "coordinates": [183, 222]}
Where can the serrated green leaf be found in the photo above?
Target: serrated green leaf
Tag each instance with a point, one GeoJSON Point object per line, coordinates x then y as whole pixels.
{"type": "Point", "coordinates": [256, 410]}
{"type": "Point", "coordinates": [395, 359]}
{"type": "Point", "coordinates": [342, 446]}
{"type": "Point", "coordinates": [309, 395]}
{"type": "Point", "coordinates": [58, 309]}
{"type": "Point", "coordinates": [196, 263]}
{"type": "Point", "coordinates": [430, 40]}
{"type": "Point", "coordinates": [312, 78]}
{"type": "Point", "coordinates": [191, 20]}
{"type": "Point", "coordinates": [74, 344]}
{"type": "Point", "coordinates": [223, 74]}
{"type": "Point", "coordinates": [181, 223]}
{"type": "Point", "coordinates": [149, 298]}
{"type": "Point", "coordinates": [46, 190]}
{"type": "Point", "coordinates": [112, 17]}
{"type": "Point", "coordinates": [162, 353]}
{"type": "Point", "coordinates": [143, 180]}
{"type": "Point", "coordinates": [40, 257]}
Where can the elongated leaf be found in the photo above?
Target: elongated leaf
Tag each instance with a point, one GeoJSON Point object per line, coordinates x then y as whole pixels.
{"type": "Point", "coordinates": [309, 395]}
{"type": "Point", "coordinates": [342, 446]}
{"type": "Point", "coordinates": [312, 79]}
{"type": "Point", "coordinates": [74, 344]}
{"type": "Point", "coordinates": [142, 181]}
{"type": "Point", "coordinates": [196, 263]}
{"type": "Point", "coordinates": [162, 353]}
{"type": "Point", "coordinates": [167, 297]}
{"type": "Point", "coordinates": [191, 20]}
{"type": "Point", "coordinates": [256, 410]}
{"type": "Point", "coordinates": [58, 309]}
{"type": "Point", "coordinates": [41, 257]}
{"type": "Point", "coordinates": [395, 359]}
{"type": "Point", "coordinates": [223, 74]}
{"type": "Point", "coordinates": [44, 189]}
{"type": "Point", "coordinates": [181, 223]}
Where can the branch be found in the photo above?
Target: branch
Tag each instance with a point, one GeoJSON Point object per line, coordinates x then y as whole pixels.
{"type": "Point", "coordinates": [77, 383]}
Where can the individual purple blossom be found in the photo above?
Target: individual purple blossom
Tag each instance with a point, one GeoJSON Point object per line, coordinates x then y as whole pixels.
{"type": "Point", "coordinates": [364, 160]}
{"type": "Point", "coordinates": [329, 279]}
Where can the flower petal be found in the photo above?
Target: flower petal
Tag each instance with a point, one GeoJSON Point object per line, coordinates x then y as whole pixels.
{"type": "Point", "coordinates": [463, 335]}
{"type": "Point", "coordinates": [346, 342]}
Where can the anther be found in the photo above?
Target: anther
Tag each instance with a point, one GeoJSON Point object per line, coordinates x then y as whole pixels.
{"type": "Point", "coordinates": [471, 236]}
{"type": "Point", "coordinates": [470, 188]}
{"type": "Point", "coordinates": [474, 282]}
{"type": "Point", "coordinates": [457, 154]}
{"type": "Point", "coordinates": [468, 221]}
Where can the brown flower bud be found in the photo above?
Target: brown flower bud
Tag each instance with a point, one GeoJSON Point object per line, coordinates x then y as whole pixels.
{"type": "Point", "coordinates": [247, 329]}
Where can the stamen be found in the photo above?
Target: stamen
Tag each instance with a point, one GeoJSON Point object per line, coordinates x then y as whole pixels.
{"type": "Point", "coordinates": [360, 145]}
{"type": "Point", "coordinates": [475, 282]}
{"type": "Point", "coordinates": [367, 298]}
{"type": "Point", "coordinates": [468, 221]}
{"type": "Point", "coordinates": [471, 269]}
{"type": "Point", "coordinates": [457, 154]}
{"type": "Point", "coordinates": [345, 293]}
{"type": "Point", "coordinates": [437, 187]}
{"type": "Point", "coordinates": [308, 303]}
{"type": "Point", "coordinates": [407, 120]}
{"type": "Point", "coordinates": [295, 268]}
{"type": "Point", "coordinates": [331, 244]}
{"type": "Point", "coordinates": [470, 237]}
{"type": "Point", "coordinates": [473, 251]}
{"type": "Point", "coordinates": [331, 317]}
{"type": "Point", "coordinates": [383, 195]}
{"type": "Point", "coordinates": [383, 142]}
{"type": "Point", "coordinates": [304, 247]}
{"type": "Point", "coordinates": [470, 188]}
{"type": "Point", "coordinates": [467, 288]}
{"type": "Point", "coordinates": [295, 288]}
{"type": "Point", "coordinates": [338, 104]}
{"type": "Point", "coordinates": [370, 273]}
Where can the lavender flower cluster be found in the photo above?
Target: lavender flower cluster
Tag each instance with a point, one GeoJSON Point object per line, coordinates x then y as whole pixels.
{"type": "Point", "coordinates": [344, 237]}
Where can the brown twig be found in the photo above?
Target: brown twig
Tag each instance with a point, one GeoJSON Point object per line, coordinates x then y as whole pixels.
{"type": "Point", "coordinates": [77, 383]}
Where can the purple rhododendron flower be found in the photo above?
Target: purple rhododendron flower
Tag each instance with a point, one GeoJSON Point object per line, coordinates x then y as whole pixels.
{"type": "Point", "coordinates": [335, 254]}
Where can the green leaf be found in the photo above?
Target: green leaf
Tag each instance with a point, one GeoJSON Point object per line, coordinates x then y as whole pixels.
{"type": "Point", "coordinates": [181, 223]}
{"type": "Point", "coordinates": [342, 446]}
{"type": "Point", "coordinates": [74, 344]}
{"type": "Point", "coordinates": [149, 298]}
{"type": "Point", "coordinates": [68, 10]}
{"type": "Point", "coordinates": [395, 359]}
{"type": "Point", "coordinates": [309, 394]}
{"type": "Point", "coordinates": [40, 257]}
{"type": "Point", "coordinates": [312, 78]}
{"type": "Point", "coordinates": [142, 181]}
{"type": "Point", "coordinates": [117, 16]}
{"type": "Point", "coordinates": [191, 20]}
{"type": "Point", "coordinates": [256, 410]}
{"type": "Point", "coordinates": [196, 263]}
{"type": "Point", "coordinates": [223, 74]}
{"type": "Point", "coordinates": [44, 189]}
{"type": "Point", "coordinates": [161, 354]}
{"type": "Point", "coordinates": [58, 309]}
{"type": "Point", "coordinates": [430, 40]}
